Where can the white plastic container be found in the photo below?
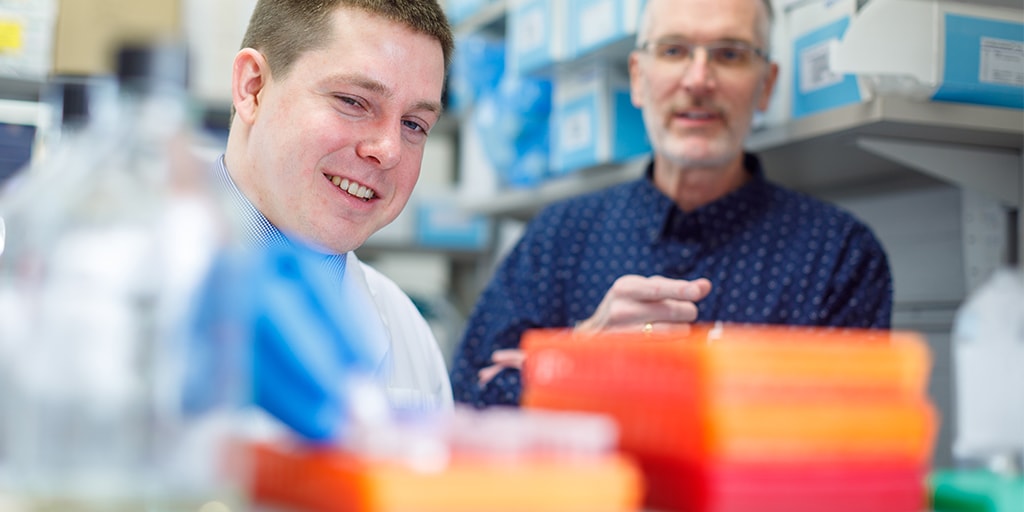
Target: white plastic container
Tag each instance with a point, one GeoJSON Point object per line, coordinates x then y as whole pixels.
{"type": "Point", "coordinates": [937, 50]}
{"type": "Point", "coordinates": [988, 341]}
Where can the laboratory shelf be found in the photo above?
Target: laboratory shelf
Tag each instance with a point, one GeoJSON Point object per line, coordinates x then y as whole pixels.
{"type": "Point", "coordinates": [523, 203]}
{"type": "Point", "coordinates": [886, 137]}
{"type": "Point", "coordinates": [20, 89]}
{"type": "Point", "coordinates": [877, 141]}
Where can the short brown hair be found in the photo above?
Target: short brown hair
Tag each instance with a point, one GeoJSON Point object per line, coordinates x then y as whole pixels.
{"type": "Point", "coordinates": [285, 29]}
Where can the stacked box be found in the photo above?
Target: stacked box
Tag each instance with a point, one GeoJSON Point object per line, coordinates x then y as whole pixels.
{"type": "Point", "coordinates": [954, 51]}
{"type": "Point", "coordinates": [536, 35]}
{"type": "Point", "coordinates": [332, 480]}
{"type": "Point", "coordinates": [815, 29]}
{"type": "Point", "coordinates": [752, 418]}
{"type": "Point", "coordinates": [442, 224]}
{"type": "Point", "coordinates": [593, 120]}
{"type": "Point", "coordinates": [508, 460]}
{"type": "Point", "coordinates": [600, 23]}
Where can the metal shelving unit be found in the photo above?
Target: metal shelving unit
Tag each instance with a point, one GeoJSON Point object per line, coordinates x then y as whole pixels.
{"type": "Point", "coordinates": [20, 89]}
{"type": "Point", "coordinates": [524, 203]}
{"type": "Point", "coordinates": [972, 146]}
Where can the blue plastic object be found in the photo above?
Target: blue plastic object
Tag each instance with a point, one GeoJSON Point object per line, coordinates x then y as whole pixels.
{"type": "Point", "coordinates": [283, 311]}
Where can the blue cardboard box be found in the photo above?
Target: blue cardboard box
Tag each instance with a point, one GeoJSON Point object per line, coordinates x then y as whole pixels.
{"type": "Point", "coordinates": [599, 23]}
{"type": "Point", "coordinates": [593, 121]}
{"type": "Point", "coordinates": [536, 35]}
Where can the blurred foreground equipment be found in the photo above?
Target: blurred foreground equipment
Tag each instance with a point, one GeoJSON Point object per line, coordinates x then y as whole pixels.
{"type": "Point", "coordinates": [106, 249]}
{"type": "Point", "coordinates": [738, 418]}
{"type": "Point", "coordinates": [506, 460]}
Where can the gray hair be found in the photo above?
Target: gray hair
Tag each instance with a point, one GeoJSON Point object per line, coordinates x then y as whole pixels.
{"type": "Point", "coordinates": [764, 28]}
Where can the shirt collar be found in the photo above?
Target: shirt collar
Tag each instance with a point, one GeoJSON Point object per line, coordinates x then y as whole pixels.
{"type": "Point", "coordinates": [257, 230]}
{"type": "Point", "coordinates": [670, 221]}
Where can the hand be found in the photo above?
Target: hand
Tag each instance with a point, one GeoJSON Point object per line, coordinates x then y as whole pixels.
{"type": "Point", "coordinates": [647, 303]}
{"type": "Point", "coordinates": [507, 358]}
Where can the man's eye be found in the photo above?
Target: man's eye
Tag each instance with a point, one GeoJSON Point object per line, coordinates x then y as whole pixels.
{"type": "Point", "coordinates": [673, 51]}
{"type": "Point", "coordinates": [413, 125]}
{"type": "Point", "coordinates": [348, 100]}
{"type": "Point", "coordinates": [729, 55]}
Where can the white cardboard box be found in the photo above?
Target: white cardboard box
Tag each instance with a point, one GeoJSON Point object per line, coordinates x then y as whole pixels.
{"type": "Point", "coordinates": [938, 49]}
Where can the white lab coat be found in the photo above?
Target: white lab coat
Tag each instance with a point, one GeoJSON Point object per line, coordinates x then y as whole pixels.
{"type": "Point", "coordinates": [417, 378]}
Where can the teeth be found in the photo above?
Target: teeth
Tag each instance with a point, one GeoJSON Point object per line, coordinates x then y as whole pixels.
{"type": "Point", "coordinates": [353, 188]}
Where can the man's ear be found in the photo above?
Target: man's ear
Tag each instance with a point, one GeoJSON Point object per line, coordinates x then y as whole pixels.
{"type": "Point", "coordinates": [768, 87]}
{"type": "Point", "coordinates": [249, 76]}
{"type": "Point", "coordinates": [635, 81]}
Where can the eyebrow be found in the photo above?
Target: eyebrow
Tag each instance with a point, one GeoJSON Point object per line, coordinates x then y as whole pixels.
{"type": "Point", "coordinates": [378, 87]}
{"type": "Point", "coordinates": [678, 39]}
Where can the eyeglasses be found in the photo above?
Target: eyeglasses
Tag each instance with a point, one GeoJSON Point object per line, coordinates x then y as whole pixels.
{"type": "Point", "coordinates": [724, 54]}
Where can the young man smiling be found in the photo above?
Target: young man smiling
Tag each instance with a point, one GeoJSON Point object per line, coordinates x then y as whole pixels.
{"type": "Point", "coordinates": [333, 102]}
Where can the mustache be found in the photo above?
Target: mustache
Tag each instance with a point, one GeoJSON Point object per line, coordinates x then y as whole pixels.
{"type": "Point", "coordinates": [680, 110]}
{"type": "Point", "coordinates": [698, 104]}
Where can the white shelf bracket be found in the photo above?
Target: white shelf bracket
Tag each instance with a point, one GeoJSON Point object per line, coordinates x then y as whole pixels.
{"type": "Point", "coordinates": [991, 171]}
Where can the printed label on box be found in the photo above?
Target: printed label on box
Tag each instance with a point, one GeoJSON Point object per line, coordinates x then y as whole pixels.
{"type": "Point", "coordinates": [816, 68]}
{"type": "Point", "coordinates": [440, 224]}
{"type": "Point", "coordinates": [10, 35]}
{"type": "Point", "coordinates": [1002, 62]}
{"type": "Point", "coordinates": [577, 131]}
{"type": "Point", "coordinates": [983, 62]}
{"type": "Point", "coordinates": [531, 30]}
{"type": "Point", "coordinates": [817, 86]}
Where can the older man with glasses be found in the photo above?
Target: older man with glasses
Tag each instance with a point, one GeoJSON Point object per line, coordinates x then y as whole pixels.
{"type": "Point", "coordinates": [702, 237]}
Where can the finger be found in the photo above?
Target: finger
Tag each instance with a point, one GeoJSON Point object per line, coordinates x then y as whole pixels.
{"type": "Point", "coordinates": [674, 311]}
{"type": "Point", "coordinates": [488, 374]}
{"type": "Point", "coordinates": [663, 311]}
{"type": "Point", "coordinates": [703, 287]}
{"type": "Point", "coordinates": [656, 288]}
{"type": "Point", "coordinates": [511, 358]}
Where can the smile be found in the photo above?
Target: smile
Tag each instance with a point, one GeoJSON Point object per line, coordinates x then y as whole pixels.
{"type": "Point", "coordinates": [354, 189]}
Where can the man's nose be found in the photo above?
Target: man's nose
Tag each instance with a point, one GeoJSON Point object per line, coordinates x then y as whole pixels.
{"type": "Point", "coordinates": [383, 145]}
{"type": "Point", "coordinates": [698, 76]}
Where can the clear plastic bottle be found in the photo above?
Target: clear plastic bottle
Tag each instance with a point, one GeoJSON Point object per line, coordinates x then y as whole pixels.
{"type": "Point", "coordinates": [75, 104]}
{"type": "Point", "coordinates": [103, 265]}
{"type": "Point", "coordinates": [80, 108]}
{"type": "Point", "coordinates": [988, 341]}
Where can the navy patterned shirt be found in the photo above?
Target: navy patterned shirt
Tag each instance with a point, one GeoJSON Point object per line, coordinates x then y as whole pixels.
{"type": "Point", "coordinates": [774, 256]}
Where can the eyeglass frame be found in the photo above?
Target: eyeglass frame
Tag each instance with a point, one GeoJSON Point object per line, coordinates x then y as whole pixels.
{"type": "Point", "coordinates": [691, 48]}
